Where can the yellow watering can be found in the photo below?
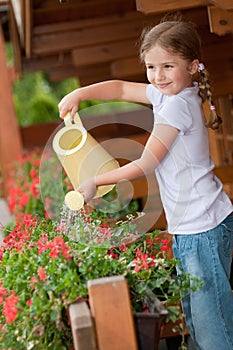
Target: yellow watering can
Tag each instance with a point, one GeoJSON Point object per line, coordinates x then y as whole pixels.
{"type": "Point", "coordinates": [81, 156]}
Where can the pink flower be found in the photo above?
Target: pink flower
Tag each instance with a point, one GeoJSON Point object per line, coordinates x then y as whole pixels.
{"type": "Point", "coordinates": [41, 273]}
{"type": "Point", "coordinates": [1, 253]}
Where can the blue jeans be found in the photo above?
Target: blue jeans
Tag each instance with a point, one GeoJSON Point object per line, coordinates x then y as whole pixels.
{"type": "Point", "coordinates": [209, 311]}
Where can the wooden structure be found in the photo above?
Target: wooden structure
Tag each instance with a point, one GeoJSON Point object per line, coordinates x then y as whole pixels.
{"type": "Point", "coordinates": [109, 322]}
{"type": "Point", "coordinates": [95, 40]}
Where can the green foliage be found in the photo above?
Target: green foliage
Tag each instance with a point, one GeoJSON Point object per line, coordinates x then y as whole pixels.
{"type": "Point", "coordinates": [36, 98]}
{"type": "Point", "coordinates": [43, 109]}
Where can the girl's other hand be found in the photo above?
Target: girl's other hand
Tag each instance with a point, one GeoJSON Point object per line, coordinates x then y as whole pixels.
{"type": "Point", "coordinates": [69, 104]}
{"type": "Point", "coordinates": [88, 189]}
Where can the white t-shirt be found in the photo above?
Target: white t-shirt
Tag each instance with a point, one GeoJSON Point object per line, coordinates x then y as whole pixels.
{"type": "Point", "coordinates": [192, 196]}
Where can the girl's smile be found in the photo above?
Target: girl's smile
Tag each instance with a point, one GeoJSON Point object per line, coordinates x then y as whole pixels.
{"type": "Point", "coordinates": [169, 72]}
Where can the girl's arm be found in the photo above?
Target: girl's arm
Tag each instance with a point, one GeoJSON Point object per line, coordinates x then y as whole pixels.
{"type": "Point", "coordinates": [107, 90]}
{"type": "Point", "coordinates": [157, 146]}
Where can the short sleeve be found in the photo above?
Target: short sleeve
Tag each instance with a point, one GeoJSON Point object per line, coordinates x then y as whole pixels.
{"type": "Point", "coordinates": [175, 112]}
{"type": "Point", "coordinates": [153, 95]}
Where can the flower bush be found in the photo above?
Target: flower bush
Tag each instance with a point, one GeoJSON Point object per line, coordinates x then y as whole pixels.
{"type": "Point", "coordinates": [44, 267]}
{"type": "Point", "coordinates": [45, 264]}
{"type": "Point", "coordinates": [26, 186]}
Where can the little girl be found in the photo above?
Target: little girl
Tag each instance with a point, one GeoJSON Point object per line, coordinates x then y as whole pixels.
{"type": "Point", "coordinates": [198, 211]}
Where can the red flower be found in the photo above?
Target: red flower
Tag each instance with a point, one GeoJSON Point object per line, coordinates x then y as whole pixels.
{"type": "Point", "coordinates": [9, 309]}
{"type": "Point", "coordinates": [41, 273]}
{"type": "Point", "coordinates": [29, 221]}
{"type": "Point", "coordinates": [164, 248]}
{"type": "Point", "coordinates": [23, 200]}
{"type": "Point", "coordinates": [29, 302]}
{"type": "Point", "coordinates": [33, 173]}
{"type": "Point", "coordinates": [17, 238]}
{"type": "Point", "coordinates": [123, 247]}
{"type": "Point", "coordinates": [113, 254]}
{"type": "Point", "coordinates": [33, 281]}
{"type": "Point", "coordinates": [1, 253]}
{"type": "Point", "coordinates": [34, 187]}
{"type": "Point", "coordinates": [43, 243]}
{"type": "Point", "coordinates": [3, 292]}
{"type": "Point", "coordinates": [59, 246]}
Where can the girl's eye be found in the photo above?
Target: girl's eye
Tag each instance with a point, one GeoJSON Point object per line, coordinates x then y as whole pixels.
{"type": "Point", "coordinates": [167, 66]}
{"type": "Point", "coordinates": [150, 67]}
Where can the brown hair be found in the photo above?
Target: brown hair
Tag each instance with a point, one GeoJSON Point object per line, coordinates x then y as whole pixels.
{"type": "Point", "coordinates": [181, 38]}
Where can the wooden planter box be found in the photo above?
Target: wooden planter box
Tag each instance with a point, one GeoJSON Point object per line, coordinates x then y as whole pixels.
{"type": "Point", "coordinates": [107, 321]}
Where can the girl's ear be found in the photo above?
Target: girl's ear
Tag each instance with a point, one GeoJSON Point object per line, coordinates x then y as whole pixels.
{"type": "Point", "coordinates": [193, 68]}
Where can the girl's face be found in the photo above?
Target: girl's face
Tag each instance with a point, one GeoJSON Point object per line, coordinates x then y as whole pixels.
{"type": "Point", "coordinates": [169, 72]}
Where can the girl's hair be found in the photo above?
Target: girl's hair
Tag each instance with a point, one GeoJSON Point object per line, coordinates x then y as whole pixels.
{"type": "Point", "coordinates": [181, 38]}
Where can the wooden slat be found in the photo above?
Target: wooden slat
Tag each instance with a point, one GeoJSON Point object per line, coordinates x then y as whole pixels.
{"type": "Point", "coordinates": [111, 308]}
{"type": "Point", "coordinates": [45, 63]}
{"type": "Point", "coordinates": [103, 53]}
{"type": "Point", "coordinates": [28, 27]}
{"type": "Point", "coordinates": [48, 11]}
{"type": "Point", "coordinates": [152, 6]}
{"type": "Point", "coordinates": [57, 27]}
{"type": "Point", "coordinates": [51, 43]}
{"type": "Point", "coordinates": [221, 21]}
{"type": "Point", "coordinates": [82, 326]}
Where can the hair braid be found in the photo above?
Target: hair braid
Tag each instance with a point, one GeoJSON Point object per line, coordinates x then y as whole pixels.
{"type": "Point", "coordinates": [206, 95]}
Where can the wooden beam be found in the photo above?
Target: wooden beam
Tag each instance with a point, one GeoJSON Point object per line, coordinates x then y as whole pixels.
{"type": "Point", "coordinates": [51, 43]}
{"type": "Point", "coordinates": [127, 67]}
{"type": "Point", "coordinates": [85, 75]}
{"type": "Point", "coordinates": [103, 53]}
{"type": "Point", "coordinates": [46, 63]}
{"type": "Point", "coordinates": [152, 6]}
{"type": "Point", "coordinates": [10, 141]}
{"type": "Point", "coordinates": [223, 4]}
{"type": "Point", "coordinates": [56, 27]}
{"type": "Point", "coordinates": [111, 308]}
{"type": "Point", "coordinates": [82, 326]}
{"type": "Point", "coordinates": [28, 27]}
{"type": "Point", "coordinates": [15, 41]}
{"type": "Point", "coordinates": [221, 21]}
{"type": "Point", "coordinates": [18, 10]}
{"type": "Point", "coordinates": [48, 11]}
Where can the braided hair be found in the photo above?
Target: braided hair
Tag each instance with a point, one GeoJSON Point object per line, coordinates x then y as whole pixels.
{"type": "Point", "coordinates": [170, 35]}
{"type": "Point", "coordinates": [205, 93]}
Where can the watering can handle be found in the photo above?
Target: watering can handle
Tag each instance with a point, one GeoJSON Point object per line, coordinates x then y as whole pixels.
{"type": "Point", "coordinates": [76, 119]}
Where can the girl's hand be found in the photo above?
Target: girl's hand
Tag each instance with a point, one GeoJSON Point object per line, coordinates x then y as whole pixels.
{"type": "Point", "coordinates": [69, 104]}
{"type": "Point", "coordinates": [88, 189]}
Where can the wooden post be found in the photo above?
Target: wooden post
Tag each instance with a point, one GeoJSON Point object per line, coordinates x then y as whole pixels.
{"type": "Point", "coordinates": [82, 327]}
{"type": "Point", "coordinates": [111, 308]}
{"type": "Point", "coordinates": [10, 140]}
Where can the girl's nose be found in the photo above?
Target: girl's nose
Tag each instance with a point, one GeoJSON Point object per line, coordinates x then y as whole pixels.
{"type": "Point", "coordinates": [159, 75]}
